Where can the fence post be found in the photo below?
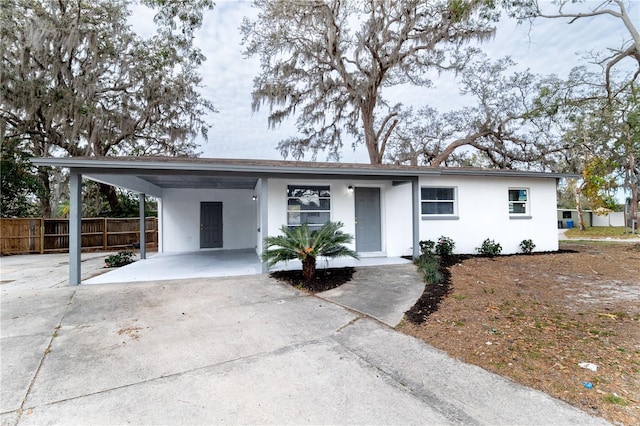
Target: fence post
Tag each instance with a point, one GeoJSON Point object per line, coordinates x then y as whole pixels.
{"type": "Point", "coordinates": [42, 235]}
{"type": "Point", "coordinates": [104, 234]}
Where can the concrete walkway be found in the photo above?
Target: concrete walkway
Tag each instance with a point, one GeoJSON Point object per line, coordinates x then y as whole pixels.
{"type": "Point", "coordinates": [383, 293]}
{"type": "Point", "coordinates": [239, 350]}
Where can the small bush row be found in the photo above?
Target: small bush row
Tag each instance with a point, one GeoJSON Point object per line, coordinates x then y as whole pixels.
{"type": "Point", "coordinates": [444, 246]}
{"type": "Point", "coordinates": [490, 248]}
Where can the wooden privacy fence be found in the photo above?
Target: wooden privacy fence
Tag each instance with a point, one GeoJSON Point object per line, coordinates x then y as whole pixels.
{"type": "Point", "coordinates": [38, 235]}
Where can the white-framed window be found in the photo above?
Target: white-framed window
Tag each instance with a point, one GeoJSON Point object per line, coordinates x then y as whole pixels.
{"type": "Point", "coordinates": [438, 202]}
{"type": "Point", "coordinates": [310, 204]}
{"type": "Point", "coordinates": [519, 201]}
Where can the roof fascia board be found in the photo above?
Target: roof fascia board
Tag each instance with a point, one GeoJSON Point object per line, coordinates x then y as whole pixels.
{"type": "Point", "coordinates": [129, 182]}
{"type": "Point", "coordinates": [275, 174]}
{"type": "Point", "coordinates": [505, 173]}
{"type": "Point", "coordinates": [157, 167]}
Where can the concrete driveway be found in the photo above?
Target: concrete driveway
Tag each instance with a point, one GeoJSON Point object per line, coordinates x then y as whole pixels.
{"type": "Point", "coordinates": [240, 350]}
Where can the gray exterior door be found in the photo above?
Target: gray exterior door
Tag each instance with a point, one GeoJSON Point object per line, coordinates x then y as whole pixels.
{"type": "Point", "coordinates": [211, 224]}
{"type": "Point", "coordinates": [368, 228]}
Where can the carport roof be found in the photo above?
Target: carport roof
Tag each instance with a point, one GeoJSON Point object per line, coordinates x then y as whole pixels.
{"type": "Point", "coordinates": [149, 174]}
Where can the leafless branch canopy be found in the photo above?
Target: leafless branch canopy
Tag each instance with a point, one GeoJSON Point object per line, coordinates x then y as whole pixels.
{"type": "Point", "coordinates": [327, 61]}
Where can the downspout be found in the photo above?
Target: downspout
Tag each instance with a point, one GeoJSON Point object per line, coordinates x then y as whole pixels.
{"type": "Point", "coordinates": [415, 208]}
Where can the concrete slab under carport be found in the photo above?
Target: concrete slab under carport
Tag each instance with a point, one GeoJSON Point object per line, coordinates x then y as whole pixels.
{"type": "Point", "coordinates": [184, 265]}
{"type": "Point", "coordinates": [216, 263]}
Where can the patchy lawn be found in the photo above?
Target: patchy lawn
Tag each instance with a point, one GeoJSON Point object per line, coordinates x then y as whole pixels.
{"type": "Point", "coordinates": [601, 232]}
{"type": "Point", "coordinates": [536, 318]}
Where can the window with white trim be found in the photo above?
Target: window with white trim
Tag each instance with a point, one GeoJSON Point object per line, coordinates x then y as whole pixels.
{"type": "Point", "coordinates": [438, 201]}
{"type": "Point", "coordinates": [310, 204]}
{"type": "Point", "coordinates": [519, 201]}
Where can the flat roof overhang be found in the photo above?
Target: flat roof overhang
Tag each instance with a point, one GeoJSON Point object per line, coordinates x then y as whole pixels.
{"type": "Point", "coordinates": [151, 174]}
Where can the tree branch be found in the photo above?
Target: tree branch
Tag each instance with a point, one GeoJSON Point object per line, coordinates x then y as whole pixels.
{"type": "Point", "coordinates": [441, 157]}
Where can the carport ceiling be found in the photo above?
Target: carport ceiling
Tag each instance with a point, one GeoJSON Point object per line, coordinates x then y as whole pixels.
{"type": "Point", "coordinates": [191, 181]}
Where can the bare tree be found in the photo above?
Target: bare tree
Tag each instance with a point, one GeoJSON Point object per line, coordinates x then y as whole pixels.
{"type": "Point", "coordinates": [618, 9]}
{"type": "Point", "coordinates": [328, 61]}
{"type": "Point", "coordinates": [509, 124]}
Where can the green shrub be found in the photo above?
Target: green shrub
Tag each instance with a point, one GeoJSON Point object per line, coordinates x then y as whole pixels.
{"type": "Point", "coordinates": [300, 242]}
{"type": "Point", "coordinates": [444, 246]}
{"type": "Point", "coordinates": [426, 247]}
{"type": "Point", "coordinates": [527, 246]}
{"type": "Point", "coordinates": [489, 248]}
{"type": "Point", "coordinates": [120, 259]}
{"type": "Point", "coordinates": [429, 266]}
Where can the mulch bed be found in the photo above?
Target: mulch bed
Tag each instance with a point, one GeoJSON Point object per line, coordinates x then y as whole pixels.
{"type": "Point", "coordinates": [433, 294]}
{"type": "Point", "coordinates": [325, 279]}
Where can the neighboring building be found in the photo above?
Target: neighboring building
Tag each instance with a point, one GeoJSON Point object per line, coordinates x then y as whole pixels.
{"type": "Point", "coordinates": [234, 204]}
{"type": "Point", "coordinates": [568, 218]}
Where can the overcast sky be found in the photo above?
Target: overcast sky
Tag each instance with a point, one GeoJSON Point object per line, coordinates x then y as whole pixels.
{"type": "Point", "coordinates": [550, 46]}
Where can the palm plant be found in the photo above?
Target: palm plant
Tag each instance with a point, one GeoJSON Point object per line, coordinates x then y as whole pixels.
{"type": "Point", "coordinates": [301, 243]}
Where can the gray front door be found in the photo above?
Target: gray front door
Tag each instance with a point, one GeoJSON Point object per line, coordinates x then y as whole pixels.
{"type": "Point", "coordinates": [211, 225]}
{"type": "Point", "coordinates": [368, 219]}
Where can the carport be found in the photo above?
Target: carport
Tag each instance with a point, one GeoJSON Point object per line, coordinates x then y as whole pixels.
{"type": "Point", "coordinates": [159, 176]}
{"type": "Point", "coordinates": [149, 176]}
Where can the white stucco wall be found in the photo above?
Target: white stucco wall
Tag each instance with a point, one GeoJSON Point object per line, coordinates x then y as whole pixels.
{"type": "Point", "coordinates": [180, 213]}
{"type": "Point", "coordinates": [483, 212]}
{"type": "Point", "coordinates": [277, 206]}
{"type": "Point", "coordinates": [399, 223]}
{"type": "Point", "coordinates": [395, 205]}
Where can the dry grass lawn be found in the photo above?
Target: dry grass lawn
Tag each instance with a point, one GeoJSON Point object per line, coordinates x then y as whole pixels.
{"type": "Point", "coordinates": [536, 318]}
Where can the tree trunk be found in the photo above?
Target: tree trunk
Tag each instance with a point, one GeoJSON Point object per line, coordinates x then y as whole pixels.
{"type": "Point", "coordinates": [110, 193]}
{"type": "Point", "coordinates": [635, 194]}
{"type": "Point", "coordinates": [633, 208]}
{"type": "Point", "coordinates": [579, 208]}
{"type": "Point", "coordinates": [309, 268]}
{"type": "Point", "coordinates": [45, 195]}
{"type": "Point", "coordinates": [372, 144]}
{"type": "Point", "coordinates": [375, 156]}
